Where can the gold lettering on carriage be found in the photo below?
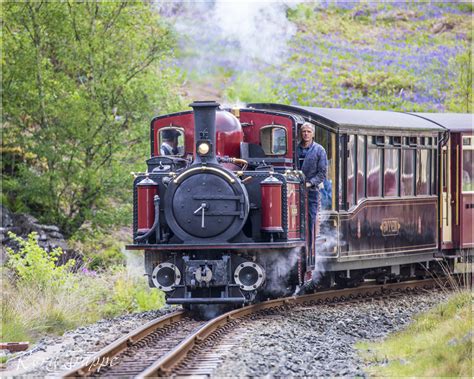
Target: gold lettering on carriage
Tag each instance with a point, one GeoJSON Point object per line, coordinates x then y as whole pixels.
{"type": "Point", "coordinates": [294, 210]}
{"type": "Point", "coordinates": [390, 227]}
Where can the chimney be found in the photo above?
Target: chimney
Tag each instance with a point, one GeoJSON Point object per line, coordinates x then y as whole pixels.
{"type": "Point", "coordinates": [205, 131]}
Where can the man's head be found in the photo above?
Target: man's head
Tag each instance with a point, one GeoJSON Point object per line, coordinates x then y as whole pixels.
{"type": "Point", "coordinates": [307, 133]}
{"type": "Point", "coordinates": [169, 135]}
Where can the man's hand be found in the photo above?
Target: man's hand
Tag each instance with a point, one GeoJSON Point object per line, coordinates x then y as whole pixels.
{"type": "Point", "coordinates": [308, 185]}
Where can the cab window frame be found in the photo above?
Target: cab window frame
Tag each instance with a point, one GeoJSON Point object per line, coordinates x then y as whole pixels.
{"type": "Point", "coordinates": [182, 133]}
{"type": "Point", "coordinates": [270, 142]}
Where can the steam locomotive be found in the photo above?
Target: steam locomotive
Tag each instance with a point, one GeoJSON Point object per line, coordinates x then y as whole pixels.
{"type": "Point", "coordinates": [221, 212]}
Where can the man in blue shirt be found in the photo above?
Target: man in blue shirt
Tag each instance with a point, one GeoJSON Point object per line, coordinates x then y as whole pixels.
{"type": "Point", "coordinates": [312, 160]}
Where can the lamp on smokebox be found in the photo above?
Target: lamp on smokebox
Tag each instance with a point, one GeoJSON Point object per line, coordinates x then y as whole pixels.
{"type": "Point", "coordinates": [203, 148]}
{"type": "Point", "coordinates": [204, 144]}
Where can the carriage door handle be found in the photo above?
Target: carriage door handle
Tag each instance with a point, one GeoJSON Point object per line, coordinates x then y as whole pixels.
{"type": "Point", "coordinates": [202, 208]}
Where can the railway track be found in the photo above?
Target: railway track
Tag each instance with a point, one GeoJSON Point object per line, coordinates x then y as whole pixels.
{"type": "Point", "coordinates": [176, 344]}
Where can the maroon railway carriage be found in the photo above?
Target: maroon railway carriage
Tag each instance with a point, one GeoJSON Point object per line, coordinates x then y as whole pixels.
{"type": "Point", "coordinates": [382, 220]}
{"type": "Point", "coordinates": [456, 186]}
{"type": "Point", "coordinates": [223, 220]}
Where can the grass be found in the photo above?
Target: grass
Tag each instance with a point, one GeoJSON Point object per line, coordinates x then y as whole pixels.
{"type": "Point", "coordinates": [436, 344]}
{"type": "Point", "coordinates": [40, 298]}
{"type": "Point", "coordinates": [30, 312]}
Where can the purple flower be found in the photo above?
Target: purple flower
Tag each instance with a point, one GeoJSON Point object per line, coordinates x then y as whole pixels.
{"type": "Point", "coordinates": [85, 271]}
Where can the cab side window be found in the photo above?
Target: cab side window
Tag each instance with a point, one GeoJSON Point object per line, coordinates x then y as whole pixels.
{"type": "Point", "coordinates": [273, 140]}
{"type": "Point", "coordinates": [171, 141]}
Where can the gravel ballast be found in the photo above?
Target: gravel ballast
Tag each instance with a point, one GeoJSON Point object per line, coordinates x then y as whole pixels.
{"type": "Point", "coordinates": [53, 355]}
{"type": "Point", "coordinates": [303, 341]}
{"type": "Point", "coordinates": [319, 340]}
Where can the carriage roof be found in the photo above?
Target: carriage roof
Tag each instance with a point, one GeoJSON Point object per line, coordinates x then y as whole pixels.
{"type": "Point", "coordinates": [355, 119]}
{"type": "Point", "coordinates": [455, 122]}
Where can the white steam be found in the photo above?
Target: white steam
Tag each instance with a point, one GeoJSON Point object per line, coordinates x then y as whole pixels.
{"type": "Point", "coordinates": [134, 263]}
{"type": "Point", "coordinates": [330, 239]}
{"type": "Point", "coordinates": [260, 29]}
{"type": "Point", "coordinates": [278, 268]}
{"type": "Point", "coordinates": [234, 35]}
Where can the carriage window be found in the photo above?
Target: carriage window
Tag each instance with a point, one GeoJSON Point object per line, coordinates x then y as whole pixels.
{"type": "Point", "coordinates": [273, 139]}
{"type": "Point", "coordinates": [468, 170]}
{"type": "Point", "coordinates": [171, 141]}
{"type": "Point", "coordinates": [391, 172]}
{"type": "Point", "coordinates": [328, 191]}
{"type": "Point", "coordinates": [434, 170]}
{"type": "Point", "coordinates": [412, 141]}
{"type": "Point", "coordinates": [378, 140]}
{"type": "Point", "coordinates": [396, 141]}
{"type": "Point", "coordinates": [374, 174]}
{"type": "Point", "coordinates": [444, 168]}
{"type": "Point", "coordinates": [350, 172]}
{"type": "Point", "coordinates": [422, 171]}
{"type": "Point", "coordinates": [408, 170]}
{"type": "Point", "coordinates": [360, 167]}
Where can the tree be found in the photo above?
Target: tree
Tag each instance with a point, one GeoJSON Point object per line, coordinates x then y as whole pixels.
{"type": "Point", "coordinates": [81, 81]}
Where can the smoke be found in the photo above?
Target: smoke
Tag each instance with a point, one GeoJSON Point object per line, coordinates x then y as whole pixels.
{"type": "Point", "coordinates": [278, 268]}
{"type": "Point", "coordinates": [230, 105]}
{"type": "Point", "coordinates": [328, 241]}
{"type": "Point", "coordinates": [223, 34]}
{"type": "Point", "coordinates": [134, 263]}
{"type": "Point", "coordinates": [260, 30]}
{"type": "Point", "coordinates": [210, 311]}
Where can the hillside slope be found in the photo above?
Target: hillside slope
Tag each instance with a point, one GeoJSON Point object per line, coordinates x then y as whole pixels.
{"type": "Point", "coordinates": [399, 56]}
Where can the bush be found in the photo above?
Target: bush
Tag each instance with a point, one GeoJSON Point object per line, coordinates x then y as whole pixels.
{"type": "Point", "coordinates": [41, 298]}
{"type": "Point", "coordinates": [101, 251]}
{"type": "Point", "coordinates": [33, 266]}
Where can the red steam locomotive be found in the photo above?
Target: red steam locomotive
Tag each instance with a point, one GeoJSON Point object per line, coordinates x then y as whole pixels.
{"type": "Point", "coordinates": [221, 212]}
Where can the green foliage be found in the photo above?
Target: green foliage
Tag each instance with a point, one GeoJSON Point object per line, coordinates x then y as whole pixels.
{"type": "Point", "coordinates": [39, 297]}
{"type": "Point", "coordinates": [33, 265]}
{"type": "Point", "coordinates": [247, 88]}
{"type": "Point", "coordinates": [379, 56]}
{"type": "Point", "coordinates": [130, 295]}
{"type": "Point", "coordinates": [461, 95]}
{"type": "Point", "coordinates": [101, 250]}
{"type": "Point", "coordinates": [112, 256]}
{"type": "Point", "coordinates": [81, 81]}
{"type": "Point", "coordinates": [12, 329]}
{"type": "Point", "coordinates": [438, 343]}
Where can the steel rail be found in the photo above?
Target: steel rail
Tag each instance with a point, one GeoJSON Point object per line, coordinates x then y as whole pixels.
{"type": "Point", "coordinates": [105, 356]}
{"type": "Point", "coordinates": [170, 361]}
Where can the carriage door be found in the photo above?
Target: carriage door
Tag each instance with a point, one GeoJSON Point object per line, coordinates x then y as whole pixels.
{"type": "Point", "coordinates": [446, 197]}
{"type": "Point", "coordinates": [467, 191]}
